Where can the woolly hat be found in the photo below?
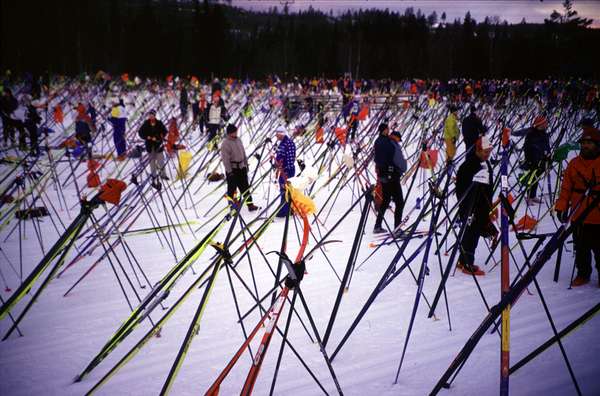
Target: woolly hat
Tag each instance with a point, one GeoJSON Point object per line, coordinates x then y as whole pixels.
{"type": "Point", "coordinates": [396, 134]}
{"type": "Point", "coordinates": [540, 122]}
{"type": "Point", "coordinates": [281, 129]}
{"type": "Point", "coordinates": [592, 134]}
{"type": "Point", "coordinates": [152, 112]}
{"type": "Point", "coordinates": [382, 127]}
{"type": "Point", "coordinates": [231, 128]}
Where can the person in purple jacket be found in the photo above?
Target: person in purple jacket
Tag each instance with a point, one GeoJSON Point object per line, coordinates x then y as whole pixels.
{"type": "Point", "coordinates": [285, 158]}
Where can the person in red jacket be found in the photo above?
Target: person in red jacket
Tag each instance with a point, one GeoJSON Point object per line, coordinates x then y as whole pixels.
{"type": "Point", "coordinates": [583, 175]}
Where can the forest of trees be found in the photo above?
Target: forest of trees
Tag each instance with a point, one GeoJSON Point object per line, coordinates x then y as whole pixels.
{"type": "Point", "coordinates": [204, 38]}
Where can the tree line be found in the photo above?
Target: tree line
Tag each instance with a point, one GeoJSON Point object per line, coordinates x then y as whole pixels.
{"type": "Point", "coordinates": [205, 38]}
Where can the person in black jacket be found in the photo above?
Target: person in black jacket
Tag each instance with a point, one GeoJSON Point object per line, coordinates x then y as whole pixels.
{"type": "Point", "coordinates": [537, 151]}
{"type": "Point", "coordinates": [474, 190]}
{"type": "Point", "coordinates": [183, 103]}
{"type": "Point", "coordinates": [153, 132]}
{"type": "Point", "coordinates": [472, 129]}
{"type": "Point", "coordinates": [8, 104]}
{"type": "Point", "coordinates": [32, 121]}
{"type": "Point", "coordinates": [389, 166]}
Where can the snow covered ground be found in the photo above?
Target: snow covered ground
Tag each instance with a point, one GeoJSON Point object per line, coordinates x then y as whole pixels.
{"type": "Point", "coordinates": [62, 334]}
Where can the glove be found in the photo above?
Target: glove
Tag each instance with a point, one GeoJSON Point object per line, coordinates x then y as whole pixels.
{"type": "Point", "coordinates": [562, 216]}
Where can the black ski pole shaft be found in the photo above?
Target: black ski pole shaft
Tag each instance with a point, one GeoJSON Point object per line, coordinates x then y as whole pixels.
{"type": "Point", "coordinates": [27, 285]}
{"type": "Point", "coordinates": [552, 340]}
{"type": "Point", "coordinates": [285, 334]}
{"type": "Point", "coordinates": [282, 250]}
{"type": "Point", "coordinates": [446, 272]}
{"type": "Point", "coordinates": [11, 317]}
{"type": "Point", "coordinates": [67, 236]}
{"type": "Point", "coordinates": [421, 279]}
{"type": "Point", "coordinates": [535, 248]}
{"type": "Point", "coordinates": [558, 260]}
{"type": "Point", "coordinates": [320, 343]}
{"type": "Point", "coordinates": [237, 307]}
{"type": "Point", "coordinates": [385, 279]}
{"type": "Point", "coordinates": [198, 314]}
{"type": "Point", "coordinates": [349, 265]}
{"type": "Point", "coordinates": [551, 246]}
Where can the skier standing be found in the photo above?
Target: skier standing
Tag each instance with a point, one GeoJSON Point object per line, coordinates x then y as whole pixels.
{"type": "Point", "coordinates": [583, 174]}
{"type": "Point", "coordinates": [474, 190]}
{"type": "Point", "coordinates": [389, 166]}
{"type": "Point", "coordinates": [83, 129]}
{"type": "Point", "coordinates": [472, 129]}
{"type": "Point", "coordinates": [153, 132]}
{"type": "Point", "coordinates": [285, 159]}
{"type": "Point", "coordinates": [235, 162]}
{"type": "Point", "coordinates": [118, 119]}
{"type": "Point", "coordinates": [451, 133]}
{"type": "Point", "coordinates": [215, 113]}
{"type": "Point", "coordinates": [8, 104]}
{"type": "Point", "coordinates": [537, 149]}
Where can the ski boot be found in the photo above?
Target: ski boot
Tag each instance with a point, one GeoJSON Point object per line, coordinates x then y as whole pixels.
{"type": "Point", "coordinates": [470, 269]}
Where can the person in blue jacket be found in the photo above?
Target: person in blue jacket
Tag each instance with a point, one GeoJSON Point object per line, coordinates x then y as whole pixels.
{"type": "Point", "coordinates": [389, 166]}
{"type": "Point", "coordinates": [285, 158]}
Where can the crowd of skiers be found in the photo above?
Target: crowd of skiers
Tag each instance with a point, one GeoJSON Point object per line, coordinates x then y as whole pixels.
{"type": "Point", "coordinates": [474, 177]}
{"type": "Point", "coordinates": [475, 180]}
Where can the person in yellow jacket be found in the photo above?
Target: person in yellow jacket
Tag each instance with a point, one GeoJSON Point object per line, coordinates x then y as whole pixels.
{"type": "Point", "coordinates": [451, 132]}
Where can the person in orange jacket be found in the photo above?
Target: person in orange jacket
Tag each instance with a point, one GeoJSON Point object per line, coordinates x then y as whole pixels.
{"type": "Point", "coordinates": [583, 174]}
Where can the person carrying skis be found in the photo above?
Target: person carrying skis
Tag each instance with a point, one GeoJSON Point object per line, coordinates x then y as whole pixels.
{"type": "Point", "coordinates": [472, 129]}
{"type": "Point", "coordinates": [118, 119]}
{"type": "Point", "coordinates": [214, 113]}
{"type": "Point", "coordinates": [474, 190]}
{"type": "Point", "coordinates": [451, 133]}
{"type": "Point", "coordinates": [583, 175]}
{"type": "Point", "coordinates": [153, 132]}
{"type": "Point", "coordinates": [284, 160]}
{"type": "Point", "coordinates": [235, 162]}
{"type": "Point", "coordinates": [389, 166]}
{"type": "Point", "coordinates": [537, 151]}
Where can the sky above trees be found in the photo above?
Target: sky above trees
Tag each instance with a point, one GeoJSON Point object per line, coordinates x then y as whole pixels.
{"type": "Point", "coordinates": [513, 11]}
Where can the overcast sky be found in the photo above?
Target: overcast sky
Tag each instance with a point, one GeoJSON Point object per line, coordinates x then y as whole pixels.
{"type": "Point", "coordinates": [512, 11]}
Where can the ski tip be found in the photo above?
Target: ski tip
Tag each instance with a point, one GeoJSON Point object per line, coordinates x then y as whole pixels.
{"type": "Point", "coordinates": [77, 378]}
